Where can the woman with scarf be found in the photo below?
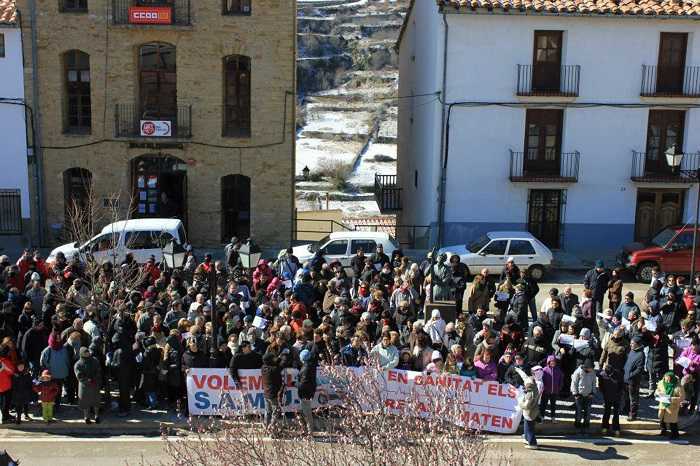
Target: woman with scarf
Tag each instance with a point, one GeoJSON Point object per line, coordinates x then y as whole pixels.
{"type": "Point", "coordinates": [670, 394]}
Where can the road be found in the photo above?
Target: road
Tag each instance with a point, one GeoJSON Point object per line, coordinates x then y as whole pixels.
{"type": "Point", "coordinates": [47, 450]}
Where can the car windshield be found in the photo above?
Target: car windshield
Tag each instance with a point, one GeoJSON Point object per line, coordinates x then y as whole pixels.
{"type": "Point", "coordinates": [477, 245]}
{"type": "Point", "coordinates": [663, 237]}
{"type": "Point", "coordinates": [313, 247]}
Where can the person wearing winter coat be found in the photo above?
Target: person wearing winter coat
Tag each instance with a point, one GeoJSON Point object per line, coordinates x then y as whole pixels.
{"type": "Point", "coordinates": [669, 392]}
{"type": "Point", "coordinates": [512, 375]}
{"type": "Point", "coordinates": [7, 370]}
{"type": "Point", "coordinates": [537, 348]}
{"type": "Point", "coordinates": [552, 381]}
{"type": "Point", "coordinates": [48, 391]}
{"type": "Point", "coordinates": [123, 366]}
{"type": "Point", "coordinates": [273, 388]}
{"type": "Point", "coordinates": [634, 367]}
{"type": "Point", "coordinates": [56, 359]}
{"type": "Point", "coordinates": [610, 386]}
{"type": "Point", "coordinates": [657, 356]}
{"type": "Point", "coordinates": [586, 352]}
{"type": "Point", "coordinates": [386, 353]}
{"type": "Point", "coordinates": [527, 402]}
{"type": "Point", "coordinates": [519, 305]}
{"type": "Point", "coordinates": [306, 388]}
{"type": "Point", "coordinates": [172, 368]}
{"type": "Point", "coordinates": [582, 386]}
{"type": "Point", "coordinates": [89, 375]}
{"type": "Point", "coordinates": [692, 352]}
{"type": "Point", "coordinates": [486, 367]}
{"type": "Point", "coordinates": [615, 352]}
{"type": "Point", "coordinates": [152, 357]}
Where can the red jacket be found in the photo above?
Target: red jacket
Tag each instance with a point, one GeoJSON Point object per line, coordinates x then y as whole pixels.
{"type": "Point", "coordinates": [6, 374]}
{"type": "Point", "coordinates": [48, 391]}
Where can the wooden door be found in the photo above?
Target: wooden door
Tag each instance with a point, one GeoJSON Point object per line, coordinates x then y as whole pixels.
{"type": "Point", "coordinates": [672, 51]}
{"type": "Point", "coordinates": [664, 133]}
{"type": "Point", "coordinates": [543, 130]}
{"type": "Point", "coordinates": [546, 61]}
{"type": "Point", "coordinates": [544, 215]}
{"type": "Point", "coordinates": [657, 209]}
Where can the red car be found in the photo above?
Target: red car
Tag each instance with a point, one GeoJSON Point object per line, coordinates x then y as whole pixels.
{"type": "Point", "coordinates": [670, 249]}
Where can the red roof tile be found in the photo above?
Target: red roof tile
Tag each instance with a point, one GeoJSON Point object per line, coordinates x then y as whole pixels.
{"type": "Point", "coordinates": [8, 12]}
{"type": "Point", "coordinates": [680, 8]}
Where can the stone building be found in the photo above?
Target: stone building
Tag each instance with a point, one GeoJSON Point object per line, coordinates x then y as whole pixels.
{"type": "Point", "coordinates": [182, 108]}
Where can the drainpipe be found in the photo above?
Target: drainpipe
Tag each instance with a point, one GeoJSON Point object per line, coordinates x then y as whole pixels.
{"type": "Point", "coordinates": [38, 154]}
{"type": "Point", "coordinates": [444, 143]}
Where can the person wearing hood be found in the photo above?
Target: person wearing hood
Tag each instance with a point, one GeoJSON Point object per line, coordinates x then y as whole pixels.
{"type": "Point", "coordinates": [435, 327]}
{"type": "Point", "coordinates": [527, 402]}
{"type": "Point", "coordinates": [582, 386]}
{"type": "Point", "coordinates": [88, 372]}
{"type": "Point", "coordinates": [610, 386]}
{"type": "Point", "coordinates": [552, 382]}
{"type": "Point", "coordinates": [670, 394]}
{"type": "Point", "coordinates": [56, 359]}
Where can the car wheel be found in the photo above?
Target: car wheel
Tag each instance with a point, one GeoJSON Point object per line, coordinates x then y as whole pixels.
{"type": "Point", "coordinates": [644, 272]}
{"type": "Point", "coordinates": [536, 272]}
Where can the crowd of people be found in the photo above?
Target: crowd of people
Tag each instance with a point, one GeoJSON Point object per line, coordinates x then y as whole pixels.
{"type": "Point", "coordinates": [74, 331]}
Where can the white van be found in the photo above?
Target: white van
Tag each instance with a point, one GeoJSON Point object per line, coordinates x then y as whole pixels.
{"type": "Point", "coordinates": [342, 245]}
{"type": "Point", "coordinates": [143, 237]}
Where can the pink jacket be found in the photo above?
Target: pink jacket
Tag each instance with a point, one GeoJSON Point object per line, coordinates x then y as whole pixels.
{"type": "Point", "coordinates": [694, 367]}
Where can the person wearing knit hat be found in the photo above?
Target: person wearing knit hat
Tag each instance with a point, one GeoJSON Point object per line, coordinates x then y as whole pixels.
{"type": "Point", "coordinates": [528, 404]}
{"type": "Point", "coordinates": [48, 391]}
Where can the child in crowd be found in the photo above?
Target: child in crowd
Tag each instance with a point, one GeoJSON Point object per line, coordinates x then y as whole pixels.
{"type": "Point", "coordinates": [48, 391]}
{"type": "Point", "coordinates": [552, 380]}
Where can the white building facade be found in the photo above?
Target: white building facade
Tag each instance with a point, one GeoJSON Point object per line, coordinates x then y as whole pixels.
{"type": "Point", "coordinates": [556, 122]}
{"type": "Point", "coordinates": [14, 181]}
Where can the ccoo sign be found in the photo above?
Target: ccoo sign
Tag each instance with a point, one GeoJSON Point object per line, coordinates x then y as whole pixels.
{"type": "Point", "coordinates": [150, 15]}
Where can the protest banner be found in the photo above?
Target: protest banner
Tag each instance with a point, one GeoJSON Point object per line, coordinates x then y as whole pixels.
{"type": "Point", "coordinates": [490, 406]}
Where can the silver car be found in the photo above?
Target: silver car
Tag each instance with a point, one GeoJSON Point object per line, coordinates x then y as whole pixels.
{"type": "Point", "coordinates": [493, 249]}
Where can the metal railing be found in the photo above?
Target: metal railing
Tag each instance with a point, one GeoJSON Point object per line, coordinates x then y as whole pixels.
{"type": "Point", "coordinates": [128, 118]}
{"type": "Point", "coordinates": [670, 81]}
{"type": "Point", "coordinates": [545, 80]}
{"type": "Point", "coordinates": [10, 212]}
{"type": "Point", "coordinates": [557, 167]}
{"type": "Point", "coordinates": [236, 7]}
{"type": "Point", "coordinates": [387, 192]}
{"type": "Point", "coordinates": [646, 168]}
{"type": "Point", "coordinates": [181, 11]}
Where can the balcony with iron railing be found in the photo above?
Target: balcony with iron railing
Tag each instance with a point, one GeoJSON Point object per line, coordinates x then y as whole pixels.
{"type": "Point", "coordinates": [670, 81]}
{"type": "Point", "coordinates": [152, 13]}
{"type": "Point", "coordinates": [554, 168]}
{"type": "Point", "coordinates": [548, 80]}
{"type": "Point", "coordinates": [656, 168]}
{"type": "Point", "coordinates": [387, 193]}
{"type": "Point", "coordinates": [136, 122]}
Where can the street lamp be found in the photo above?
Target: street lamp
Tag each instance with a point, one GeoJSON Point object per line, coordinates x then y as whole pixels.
{"type": "Point", "coordinates": [674, 161]}
{"type": "Point", "coordinates": [174, 255]}
{"type": "Point", "coordinates": [213, 288]}
{"type": "Point", "coordinates": [250, 254]}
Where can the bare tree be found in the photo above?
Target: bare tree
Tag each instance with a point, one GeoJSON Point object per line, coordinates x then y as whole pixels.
{"type": "Point", "coordinates": [362, 430]}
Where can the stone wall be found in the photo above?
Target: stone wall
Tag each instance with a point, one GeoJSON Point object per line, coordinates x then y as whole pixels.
{"type": "Point", "coordinates": [267, 36]}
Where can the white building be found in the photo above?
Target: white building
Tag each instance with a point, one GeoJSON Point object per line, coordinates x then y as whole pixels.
{"type": "Point", "coordinates": [553, 121]}
{"type": "Point", "coordinates": [14, 181]}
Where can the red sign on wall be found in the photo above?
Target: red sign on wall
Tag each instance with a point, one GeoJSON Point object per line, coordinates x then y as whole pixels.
{"type": "Point", "coordinates": [150, 15]}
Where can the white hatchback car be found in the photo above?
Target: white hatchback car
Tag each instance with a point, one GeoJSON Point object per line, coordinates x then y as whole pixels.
{"type": "Point", "coordinates": [342, 245]}
{"type": "Point", "coordinates": [143, 238]}
{"type": "Point", "coordinates": [494, 248]}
